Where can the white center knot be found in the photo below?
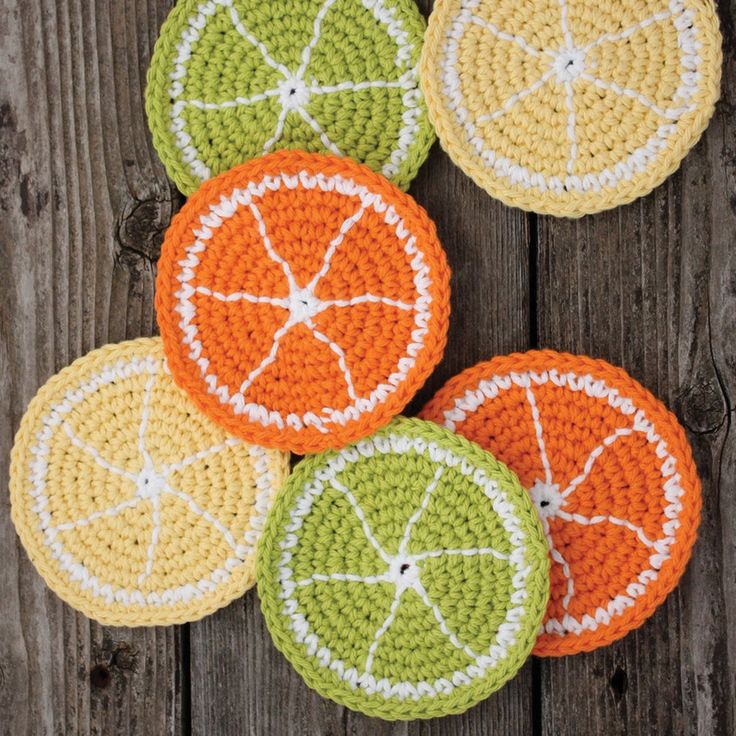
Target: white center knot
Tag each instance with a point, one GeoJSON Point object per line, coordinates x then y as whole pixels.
{"type": "Point", "coordinates": [403, 572]}
{"type": "Point", "coordinates": [293, 93]}
{"type": "Point", "coordinates": [547, 498]}
{"type": "Point", "coordinates": [303, 305]}
{"type": "Point", "coordinates": [569, 64]}
{"type": "Point", "coordinates": [149, 483]}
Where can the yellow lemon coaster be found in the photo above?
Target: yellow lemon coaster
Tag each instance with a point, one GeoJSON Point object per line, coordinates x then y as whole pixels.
{"type": "Point", "coordinates": [568, 107]}
{"type": "Point", "coordinates": [132, 505]}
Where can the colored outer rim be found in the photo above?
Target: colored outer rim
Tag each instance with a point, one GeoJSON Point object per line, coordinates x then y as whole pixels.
{"type": "Point", "coordinates": [187, 374]}
{"type": "Point", "coordinates": [323, 679]}
{"type": "Point", "coordinates": [26, 521]}
{"type": "Point", "coordinates": [540, 361]}
{"type": "Point", "coordinates": [532, 199]}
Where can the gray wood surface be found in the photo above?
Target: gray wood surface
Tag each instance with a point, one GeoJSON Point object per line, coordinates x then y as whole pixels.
{"type": "Point", "coordinates": [651, 286]}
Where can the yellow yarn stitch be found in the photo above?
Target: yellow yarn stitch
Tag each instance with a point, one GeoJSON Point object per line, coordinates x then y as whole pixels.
{"type": "Point", "coordinates": [133, 506]}
{"type": "Point", "coordinates": [568, 107]}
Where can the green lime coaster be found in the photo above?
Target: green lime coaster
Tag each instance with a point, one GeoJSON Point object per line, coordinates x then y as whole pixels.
{"type": "Point", "coordinates": [406, 575]}
{"type": "Point", "coordinates": [231, 80]}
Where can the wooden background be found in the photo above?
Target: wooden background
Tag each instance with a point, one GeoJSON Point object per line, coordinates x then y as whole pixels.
{"type": "Point", "coordinates": [652, 287]}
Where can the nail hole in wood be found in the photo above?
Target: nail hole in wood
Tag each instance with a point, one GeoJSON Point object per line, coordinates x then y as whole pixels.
{"type": "Point", "coordinates": [100, 676]}
{"type": "Point", "coordinates": [619, 683]}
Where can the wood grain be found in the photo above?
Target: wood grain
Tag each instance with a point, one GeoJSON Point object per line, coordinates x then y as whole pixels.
{"type": "Point", "coordinates": [652, 286]}
{"type": "Point", "coordinates": [240, 683]}
{"type": "Point", "coordinates": [83, 203]}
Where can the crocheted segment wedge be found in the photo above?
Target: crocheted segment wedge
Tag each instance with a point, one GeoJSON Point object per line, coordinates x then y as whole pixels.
{"type": "Point", "coordinates": [610, 472]}
{"type": "Point", "coordinates": [134, 507]}
{"type": "Point", "coordinates": [302, 300]}
{"type": "Point", "coordinates": [231, 80]}
{"type": "Point", "coordinates": [568, 107]}
{"type": "Point", "coordinates": [405, 576]}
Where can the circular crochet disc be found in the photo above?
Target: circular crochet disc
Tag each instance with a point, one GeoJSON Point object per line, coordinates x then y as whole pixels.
{"type": "Point", "coordinates": [610, 472]}
{"type": "Point", "coordinates": [231, 80]}
{"type": "Point", "coordinates": [405, 576]}
{"type": "Point", "coordinates": [133, 506]}
{"type": "Point", "coordinates": [568, 107]}
{"type": "Point", "coordinates": [302, 300]}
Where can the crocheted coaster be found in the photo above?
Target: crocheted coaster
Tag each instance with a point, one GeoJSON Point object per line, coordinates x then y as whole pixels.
{"type": "Point", "coordinates": [610, 472]}
{"type": "Point", "coordinates": [234, 79]}
{"type": "Point", "coordinates": [134, 507]}
{"type": "Point", "coordinates": [568, 107]}
{"type": "Point", "coordinates": [302, 300]}
{"type": "Point", "coordinates": [405, 576]}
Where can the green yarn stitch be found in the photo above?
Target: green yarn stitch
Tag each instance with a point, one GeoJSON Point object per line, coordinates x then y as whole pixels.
{"type": "Point", "coordinates": [225, 64]}
{"type": "Point", "coordinates": [335, 630]}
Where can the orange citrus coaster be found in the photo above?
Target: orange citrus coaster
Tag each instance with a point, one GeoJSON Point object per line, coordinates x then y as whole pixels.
{"type": "Point", "coordinates": [610, 472]}
{"type": "Point", "coordinates": [302, 300]}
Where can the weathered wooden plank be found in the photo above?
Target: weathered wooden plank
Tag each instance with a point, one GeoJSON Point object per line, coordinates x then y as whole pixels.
{"type": "Point", "coordinates": [83, 203]}
{"type": "Point", "coordinates": [651, 287]}
{"type": "Point", "coordinates": [487, 246]}
{"type": "Point", "coordinates": [240, 683]}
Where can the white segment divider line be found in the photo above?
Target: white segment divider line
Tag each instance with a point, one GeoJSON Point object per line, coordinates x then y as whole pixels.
{"type": "Point", "coordinates": [244, 296]}
{"type": "Point", "coordinates": [203, 513]}
{"type": "Point", "coordinates": [598, 519]}
{"type": "Point", "coordinates": [201, 455]}
{"type": "Point", "coordinates": [382, 630]}
{"type": "Point", "coordinates": [518, 40]}
{"type": "Point", "coordinates": [470, 552]}
{"type": "Point", "coordinates": [270, 358]}
{"type": "Point", "coordinates": [671, 114]}
{"type": "Point", "coordinates": [347, 225]}
{"type": "Point", "coordinates": [155, 532]}
{"type": "Point", "coordinates": [560, 560]}
{"type": "Point", "coordinates": [280, 122]}
{"type": "Point", "coordinates": [350, 86]}
{"type": "Point", "coordinates": [307, 50]}
{"type": "Point", "coordinates": [272, 254]}
{"type": "Point", "coordinates": [361, 517]}
{"type": "Point", "coordinates": [403, 544]}
{"type": "Point", "coordinates": [341, 359]}
{"type": "Point", "coordinates": [316, 89]}
{"type": "Point", "coordinates": [315, 126]}
{"type": "Point", "coordinates": [623, 35]}
{"type": "Point", "coordinates": [147, 460]}
{"type": "Point", "coordinates": [571, 123]}
{"type": "Point", "coordinates": [343, 577]}
{"type": "Point", "coordinates": [130, 503]}
{"type": "Point", "coordinates": [569, 42]}
{"type": "Point", "coordinates": [532, 401]}
{"type": "Point", "coordinates": [95, 455]}
{"type": "Point", "coordinates": [516, 97]}
{"type": "Point", "coordinates": [235, 102]}
{"type": "Point", "coordinates": [246, 34]}
{"type": "Point", "coordinates": [368, 299]}
{"type": "Point", "coordinates": [418, 588]}
{"type": "Point", "coordinates": [595, 453]}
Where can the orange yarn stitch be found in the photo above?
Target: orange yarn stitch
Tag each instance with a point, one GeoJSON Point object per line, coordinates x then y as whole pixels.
{"type": "Point", "coordinates": [302, 300]}
{"type": "Point", "coordinates": [612, 476]}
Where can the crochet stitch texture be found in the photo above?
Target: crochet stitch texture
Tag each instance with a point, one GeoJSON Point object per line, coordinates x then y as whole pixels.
{"type": "Point", "coordinates": [231, 80]}
{"type": "Point", "coordinates": [568, 107]}
{"type": "Point", "coordinates": [405, 576]}
{"type": "Point", "coordinates": [134, 507]}
{"type": "Point", "coordinates": [610, 472]}
{"type": "Point", "coordinates": [302, 300]}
